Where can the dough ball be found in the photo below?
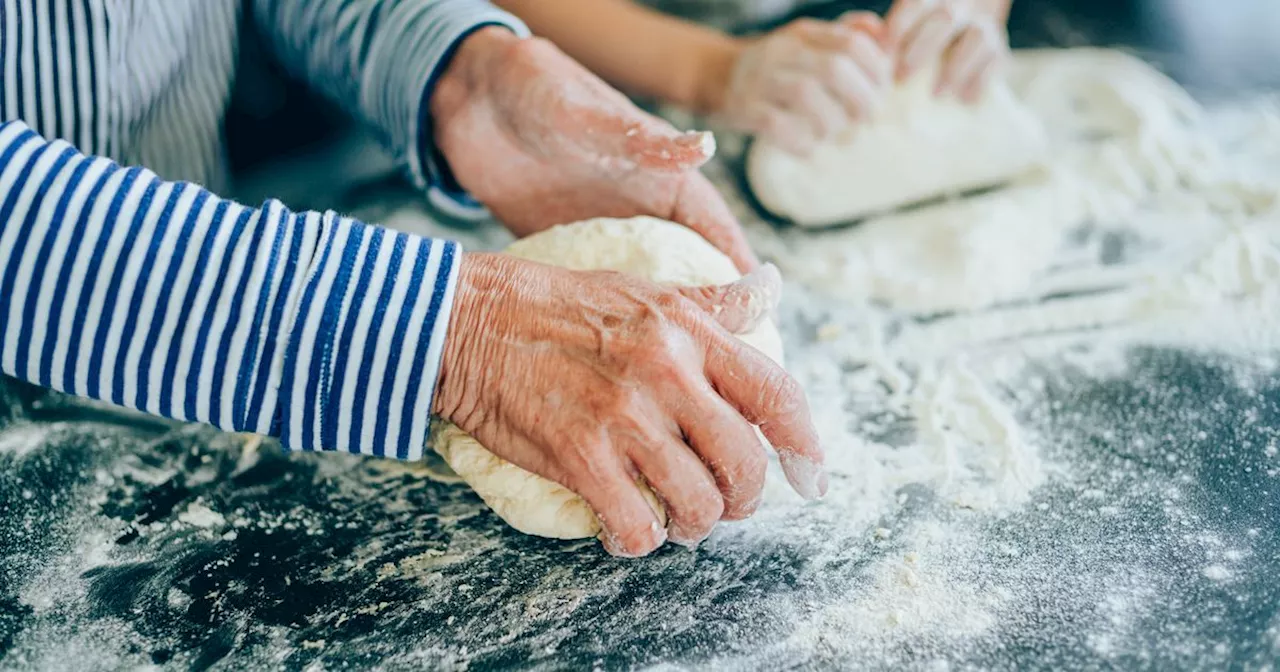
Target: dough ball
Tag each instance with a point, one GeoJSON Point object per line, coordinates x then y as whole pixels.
{"type": "Point", "coordinates": [651, 248]}
{"type": "Point", "coordinates": [919, 147]}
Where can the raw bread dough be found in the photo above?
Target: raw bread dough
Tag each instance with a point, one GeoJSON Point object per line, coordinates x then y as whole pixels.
{"type": "Point", "coordinates": [651, 248]}
{"type": "Point", "coordinates": [920, 147]}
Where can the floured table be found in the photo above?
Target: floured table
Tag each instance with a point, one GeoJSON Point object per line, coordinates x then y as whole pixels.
{"type": "Point", "coordinates": [1072, 464]}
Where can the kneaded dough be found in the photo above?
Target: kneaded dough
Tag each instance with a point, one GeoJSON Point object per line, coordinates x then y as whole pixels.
{"type": "Point", "coordinates": [918, 148]}
{"type": "Point", "coordinates": [655, 249]}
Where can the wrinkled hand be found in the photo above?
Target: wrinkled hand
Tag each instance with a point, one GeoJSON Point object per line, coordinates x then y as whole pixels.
{"type": "Point", "coordinates": [966, 42]}
{"type": "Point", "coordinates": [541, 141]}
{"type": "Point", "coordinates": [802, 82]}
{"type": "Point", "coordinates": [595, 379]}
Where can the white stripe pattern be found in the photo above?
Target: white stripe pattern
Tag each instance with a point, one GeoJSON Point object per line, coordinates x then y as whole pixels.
{"type": "Point", "coordinates": [161, 296]}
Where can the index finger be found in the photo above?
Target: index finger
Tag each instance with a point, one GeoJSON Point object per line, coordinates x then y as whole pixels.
{"type": "Point", "coordinates": [701, 208]}
{"type": "Point", "coordinates": [767, 396]}
{"type": "Point", "coordinates": [902, 17]}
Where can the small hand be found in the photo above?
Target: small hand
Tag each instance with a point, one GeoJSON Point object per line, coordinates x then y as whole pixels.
{"type": "Point", "coordinates": [594, 379]}
{"type": "Point", "coordinates": [966, 42]}
{"type": "Point", "coordinates": [807, 80]}
{"type": "Point", "coordinates": [541, 141]}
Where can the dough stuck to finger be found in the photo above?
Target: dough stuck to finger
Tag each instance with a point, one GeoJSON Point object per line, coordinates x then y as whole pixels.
{"type": "Point", "coordinates": [650, 248]}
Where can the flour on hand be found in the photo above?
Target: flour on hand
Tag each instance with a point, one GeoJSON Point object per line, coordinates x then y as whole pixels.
{"type": "Point", "coordinates": [919, 148]}
{"type": "Point", "coordinates": [653, 249]}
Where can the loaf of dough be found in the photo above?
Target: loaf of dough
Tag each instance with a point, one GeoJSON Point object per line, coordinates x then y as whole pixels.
{"type": "Point", "coordinates": [651, 248]}
{"type": "Point", "coordinates": [918, 148]}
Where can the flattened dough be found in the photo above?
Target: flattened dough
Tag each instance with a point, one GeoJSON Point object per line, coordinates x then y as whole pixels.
{"type": "Point", "coordinates": [651, 248]}
{"type": "Point", "coordinates": [919, 147]}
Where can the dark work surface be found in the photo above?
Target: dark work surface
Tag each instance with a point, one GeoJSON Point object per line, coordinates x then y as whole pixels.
{"type": "Point", "coordinates": [330, 560]}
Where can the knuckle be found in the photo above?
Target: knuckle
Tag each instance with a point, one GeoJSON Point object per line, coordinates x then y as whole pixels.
{"type": "Point", "coordinates": [701, 512]}
{"type": "Point", "coordinates": [670, 301]}
{"type": "Point", "coordinates": [624, 401]}
{"type": "Point", "coordinates": [780, 394]}
{"type": "Point", "coordinates": [587, 462]}
{"type": "Point", "coordinates": [751, 467]}
{"type": "Point", "coordinates": [847, 38]}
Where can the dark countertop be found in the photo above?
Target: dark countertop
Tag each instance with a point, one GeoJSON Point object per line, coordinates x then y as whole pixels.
{"type": "Point", "coordinates": [331, 560]}
{"type": "Point", "coordinates": [127, 541]}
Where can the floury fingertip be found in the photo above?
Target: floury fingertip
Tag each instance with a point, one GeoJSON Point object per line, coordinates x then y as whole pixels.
{"type": "Point", "coordinates": [764, 290]}
{"type": "Point", "coordinates": [805, 476]}
{"type": "Point", "coordinates": [704, 141]}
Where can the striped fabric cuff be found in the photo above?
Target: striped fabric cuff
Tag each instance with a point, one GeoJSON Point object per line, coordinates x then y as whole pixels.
{"type": "Point", "coordinates": [364, 355]}
{"type": "Point", "coordinates": [410, 53]}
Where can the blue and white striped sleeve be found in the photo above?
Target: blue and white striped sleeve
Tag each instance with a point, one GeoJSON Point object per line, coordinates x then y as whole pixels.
{"type": "Point", "coordinates": [162, 297]}
{"type": "Point", "coordinates": [381, 59]}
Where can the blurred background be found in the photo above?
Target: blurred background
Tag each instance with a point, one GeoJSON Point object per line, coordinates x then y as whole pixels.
{"type": "Point", "coordinates": [1216, 48]}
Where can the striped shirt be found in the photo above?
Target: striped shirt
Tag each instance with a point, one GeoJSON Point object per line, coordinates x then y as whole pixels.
{"type": "Point", "coordinates": [126, 285]}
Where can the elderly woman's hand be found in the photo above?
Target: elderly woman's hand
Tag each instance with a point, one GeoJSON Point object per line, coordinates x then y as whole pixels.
{"type": "Point", "coordinates": [541, 141]}
{"type": "Point", "coordinates": [592, 379]}
{"type": "Point", "coordinates": [966, 38]}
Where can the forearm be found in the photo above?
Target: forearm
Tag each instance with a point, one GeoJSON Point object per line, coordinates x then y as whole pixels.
{"type": "Point", "coordinates": [635, 48]}
{"type": "Point", "coordinates": [380, 59]}
{"type": "Point", "coordinates": [162, 297]}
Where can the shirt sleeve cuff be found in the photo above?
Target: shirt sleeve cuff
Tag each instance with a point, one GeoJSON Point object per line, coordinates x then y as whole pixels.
{"type": "Point", "coordinates": [375, 314]}
{"type": "Point", "coordinates": [413, 48]}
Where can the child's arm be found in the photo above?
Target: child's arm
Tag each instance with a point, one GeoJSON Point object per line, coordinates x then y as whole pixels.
{"type": "Point", "coordinates": [795, 85]}
{"type": "Point", "coordinates": [637, 49]}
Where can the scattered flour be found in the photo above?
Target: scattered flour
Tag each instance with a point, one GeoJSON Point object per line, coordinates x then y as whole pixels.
{"type": "Point", "coordinates": [199, 515]}
{"type": "Point", "coordinates": [1143, 232]}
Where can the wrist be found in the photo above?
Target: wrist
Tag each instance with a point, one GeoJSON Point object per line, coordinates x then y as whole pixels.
{"type": "Point", "coordinates": [481, 277]}
{"type": "Point", "coordinates": [464, 76]}
{"type": "Point", "coordinates": [712, 75]}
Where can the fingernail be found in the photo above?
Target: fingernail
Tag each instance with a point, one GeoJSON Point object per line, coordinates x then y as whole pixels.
{"type": "Point", "coordinates": [805, 476]}
{"type": "Point", "coordinates": [704, 142]}
{"type": "Point", "coordinates": [613, 546]}
{"type": "Point", "coordinates": [691, 544]}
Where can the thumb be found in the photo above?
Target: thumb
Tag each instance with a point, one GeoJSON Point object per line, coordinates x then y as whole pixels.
{"type": "Point", "coordinates": [668, 149]}
{"type": "Point", "coordinates": [604, 126]}
{"type": "Point", "coordinates": [739, 307]}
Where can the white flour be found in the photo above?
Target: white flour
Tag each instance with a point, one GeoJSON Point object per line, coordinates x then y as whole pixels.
{"type": "Point", "coordinates": [1156, 224]}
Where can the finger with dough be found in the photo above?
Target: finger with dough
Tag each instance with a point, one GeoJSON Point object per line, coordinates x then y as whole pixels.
{"type": "Point", "coordinates": [768, 397]}
{"type": "Point", "coordinates": [740, 306]}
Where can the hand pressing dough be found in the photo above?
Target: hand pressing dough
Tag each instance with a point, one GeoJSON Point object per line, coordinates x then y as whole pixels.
{"type": "Point", "coordinates": [918, 148]}
{"type": "Point", "coordinates": [651, 248]}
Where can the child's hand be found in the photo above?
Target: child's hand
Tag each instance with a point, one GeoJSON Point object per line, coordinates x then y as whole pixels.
{"type": "Point", "coordinates": [966, 41]}
{"type": "Point", "coordinates": [807, 80]}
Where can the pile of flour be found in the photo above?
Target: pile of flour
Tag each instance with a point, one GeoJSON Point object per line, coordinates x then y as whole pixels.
{"type": "Point", "coordinates": [919, 333]}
